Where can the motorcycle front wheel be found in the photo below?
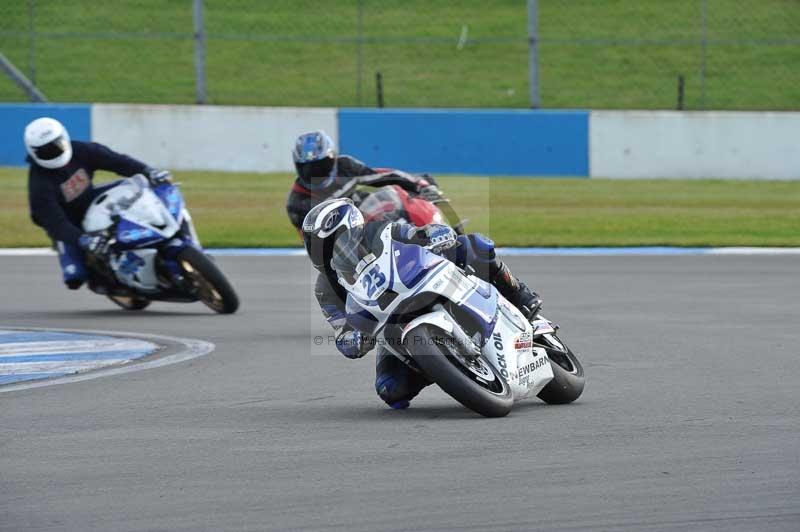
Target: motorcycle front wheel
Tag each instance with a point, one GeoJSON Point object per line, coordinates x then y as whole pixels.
{"type": "Point", "coordinates": [466, 377]}
{"type": "Point", "coordinates": [568, 378]}
{"type": "Point", "coordinates": [208, 282]}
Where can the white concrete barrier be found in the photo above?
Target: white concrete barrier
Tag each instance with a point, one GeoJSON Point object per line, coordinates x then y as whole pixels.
{"type": "Point", "coordinates": [671, 144]}
{"type": "Point", "coordinates": [188, 137]}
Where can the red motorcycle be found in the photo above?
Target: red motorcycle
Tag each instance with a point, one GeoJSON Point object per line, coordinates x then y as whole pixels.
{"type": "Point", "coordinates": [392, 203]}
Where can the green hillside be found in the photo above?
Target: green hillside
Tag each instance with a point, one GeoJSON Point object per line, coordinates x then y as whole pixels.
{"type": "Point", "coordinates": [471, 53]}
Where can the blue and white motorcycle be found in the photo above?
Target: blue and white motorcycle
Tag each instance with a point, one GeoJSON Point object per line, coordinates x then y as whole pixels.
{"type": "Point", "coordinates": [456, 329]}
{"type": "Point", "coordinates": [155, 254]}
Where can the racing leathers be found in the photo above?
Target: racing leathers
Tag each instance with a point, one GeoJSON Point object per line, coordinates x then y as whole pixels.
{"type": "Point", "coordinates": [397, 383]}
{"type": "Point", "coordinates": [348, 173]}
{"type": "Point", "coordinates": [60, 197]}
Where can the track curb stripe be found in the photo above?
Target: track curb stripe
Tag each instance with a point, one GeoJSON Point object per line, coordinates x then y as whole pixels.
{"type": "Point", "coordinates": [188, 349]}
{"type": "Point", "coordinates": [47, 353]}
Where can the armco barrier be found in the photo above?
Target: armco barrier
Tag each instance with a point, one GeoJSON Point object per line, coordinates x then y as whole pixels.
{"type": "Point", "coordinates": [503, 142]}
{"type": "Point", "coordinates": [14, 118]}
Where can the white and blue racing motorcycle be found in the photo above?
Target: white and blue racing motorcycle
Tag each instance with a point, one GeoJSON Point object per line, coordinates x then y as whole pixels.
{"type": "Point", "coordinates": [154, 252]}
{"type": "Point", "coordinates": [457, 329]}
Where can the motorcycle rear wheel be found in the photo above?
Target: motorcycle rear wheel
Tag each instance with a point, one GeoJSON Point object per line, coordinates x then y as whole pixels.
{"type": "Point", "coordinates": [568, 378]}
{"type": "Point", "coordinates": [210, 284]}
{"type": "Point", "coordinates": [468, 379]}
{"type": "Point", "coordinates": [130, 302]}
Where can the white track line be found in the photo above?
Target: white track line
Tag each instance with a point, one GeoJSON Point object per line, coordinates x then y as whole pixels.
{"type": "Point", "coordinates": [192, 349]}
{"type": "Point", "coordinates": [75, 346]}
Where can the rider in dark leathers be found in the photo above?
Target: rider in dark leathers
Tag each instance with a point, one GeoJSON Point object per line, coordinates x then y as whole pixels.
{"type": "Point", "coordinates": [60, 190]}
{"type": "Point", "coordinates": [322, 174]}
{"type": "Point", "coordinates": [396, 383]}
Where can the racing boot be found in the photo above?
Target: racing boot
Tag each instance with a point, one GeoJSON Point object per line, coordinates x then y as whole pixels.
{"type": "Point", "coordinates": [517, 292]}
{"type": "Point", "coordinates": [395, 382]}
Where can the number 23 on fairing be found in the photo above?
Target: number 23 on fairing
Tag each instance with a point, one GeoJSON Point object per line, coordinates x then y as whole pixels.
{"type": "Point", "coordinates": [374, 282]}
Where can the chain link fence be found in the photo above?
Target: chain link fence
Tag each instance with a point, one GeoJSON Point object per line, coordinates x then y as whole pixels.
{"type": "Point", "coordinates": [692, 54]}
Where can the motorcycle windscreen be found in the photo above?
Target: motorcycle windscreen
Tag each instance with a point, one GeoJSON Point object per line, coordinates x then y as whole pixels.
{"type": "Point", "coordinates": [384, 205]}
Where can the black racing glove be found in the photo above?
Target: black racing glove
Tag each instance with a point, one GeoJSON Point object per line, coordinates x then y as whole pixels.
{"type": "Point", "coordinates": [96, 243]}
{"type": "Point", "coordinates": [158, 177]}
{"type": "Point", "coordinates": [430, 193]}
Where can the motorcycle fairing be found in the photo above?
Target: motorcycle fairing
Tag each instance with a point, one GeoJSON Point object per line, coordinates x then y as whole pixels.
{"type": "Point", "coordinates": [134, 202]}
{"type": "Point", "coordinates": [359, 317]}
{"type": "Point", "coordinates": [171, 197]}
{"type": "Point", "coordinates": [413, 262]}
{"type": "Point", "coordinates": [133, 235]}
{"type": "Point", "coordinates": [136, 268]}
{"type": "Point", "coordinates": [525, 368]}
{"type": "Point", "coordinates": [141, 216]}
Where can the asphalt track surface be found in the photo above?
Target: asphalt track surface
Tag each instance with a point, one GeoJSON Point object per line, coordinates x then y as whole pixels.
{"type": "Point", "coordinates": [690, 418]}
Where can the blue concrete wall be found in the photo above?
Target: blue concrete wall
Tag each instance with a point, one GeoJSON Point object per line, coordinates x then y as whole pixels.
{"type": "Point", "coordinates": [14, 118]}
{"type": "Point", "coordinates": [503, 142]}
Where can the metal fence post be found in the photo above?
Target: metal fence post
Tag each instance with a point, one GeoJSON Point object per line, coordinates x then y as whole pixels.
{"type": "Point", "coordinates": [533, 53]}
{"type": "Point", "coordinates": [703, 46]}
{"type": "Point", "coordinates": [199, 52]}
{"type": "Point", "coordinates": [19, 78]}
{"type": "Point", "coordinates": [359, 50]}
{"type": "Point", "coordinates": [31, 45]}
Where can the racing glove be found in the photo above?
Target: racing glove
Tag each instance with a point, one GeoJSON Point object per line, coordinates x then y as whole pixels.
{"type": "Point", "coordinates": [430, 193]}
{"type": "Point", "coordinates": [435, 237]}
{"type": "Point", "coordinates": [158, 177]}
{"type": "Point", "coordinates": [354, 344]}
{"type": "Point", "coordinates": [95, 243]}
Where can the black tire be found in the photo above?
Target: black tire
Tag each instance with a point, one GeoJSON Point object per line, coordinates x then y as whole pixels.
{"type": "Point", "coordinates": [210, 285]}
{"type": "Point", "coordinates": [130, 302]}
{"type": "Point", "coordinates": [441, 359]}
{"type": "Point", "coordinates": [568, 378]}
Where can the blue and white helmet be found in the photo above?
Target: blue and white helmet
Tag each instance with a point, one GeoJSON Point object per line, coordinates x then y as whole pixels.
{"type": "Point", "coordinates": [314, 157]}
{"type": "Point", "coordinates": [324, 224]}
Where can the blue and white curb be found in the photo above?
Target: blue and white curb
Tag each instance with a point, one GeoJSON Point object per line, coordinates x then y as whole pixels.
{"type": "Point", "coordinates": [505, 251]}
{"type": "Point", "coordinates": [31, 358]}
{"type": "Point", "coordinates": [33, 355]}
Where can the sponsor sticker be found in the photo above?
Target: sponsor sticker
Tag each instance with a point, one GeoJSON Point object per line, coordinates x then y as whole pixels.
{"type": "Point", "coordinates": [331, 220]}
{"type": "Point", "coordinates": [523, 342]}
{"type": "Point", "coordinates": [75, 185]}
{"type": "Point", "coordinates": [526, 371]}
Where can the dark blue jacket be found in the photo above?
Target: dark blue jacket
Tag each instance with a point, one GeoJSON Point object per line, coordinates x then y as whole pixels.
{"type": "Point", "coordinates": [60, 197]}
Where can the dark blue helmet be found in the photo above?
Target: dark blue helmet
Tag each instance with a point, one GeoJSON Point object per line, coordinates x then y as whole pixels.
{"type": "Point", "coordinates": [314, 158]}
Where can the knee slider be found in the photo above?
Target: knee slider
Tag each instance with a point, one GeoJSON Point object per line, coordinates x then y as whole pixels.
{"type": "Point", "coordinates": [73, 284]}
{"type": "Point", "coordinates": [392, 389]}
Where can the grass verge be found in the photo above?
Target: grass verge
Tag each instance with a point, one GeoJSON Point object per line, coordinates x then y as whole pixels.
{"type": "Point", "coordinates": [247, 210]}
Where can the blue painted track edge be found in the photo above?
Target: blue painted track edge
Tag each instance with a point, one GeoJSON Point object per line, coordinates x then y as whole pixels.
{"type": "Point", "coordinates": [507, 251]}
{"type": "Point", "coordinates": [192, 348]}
